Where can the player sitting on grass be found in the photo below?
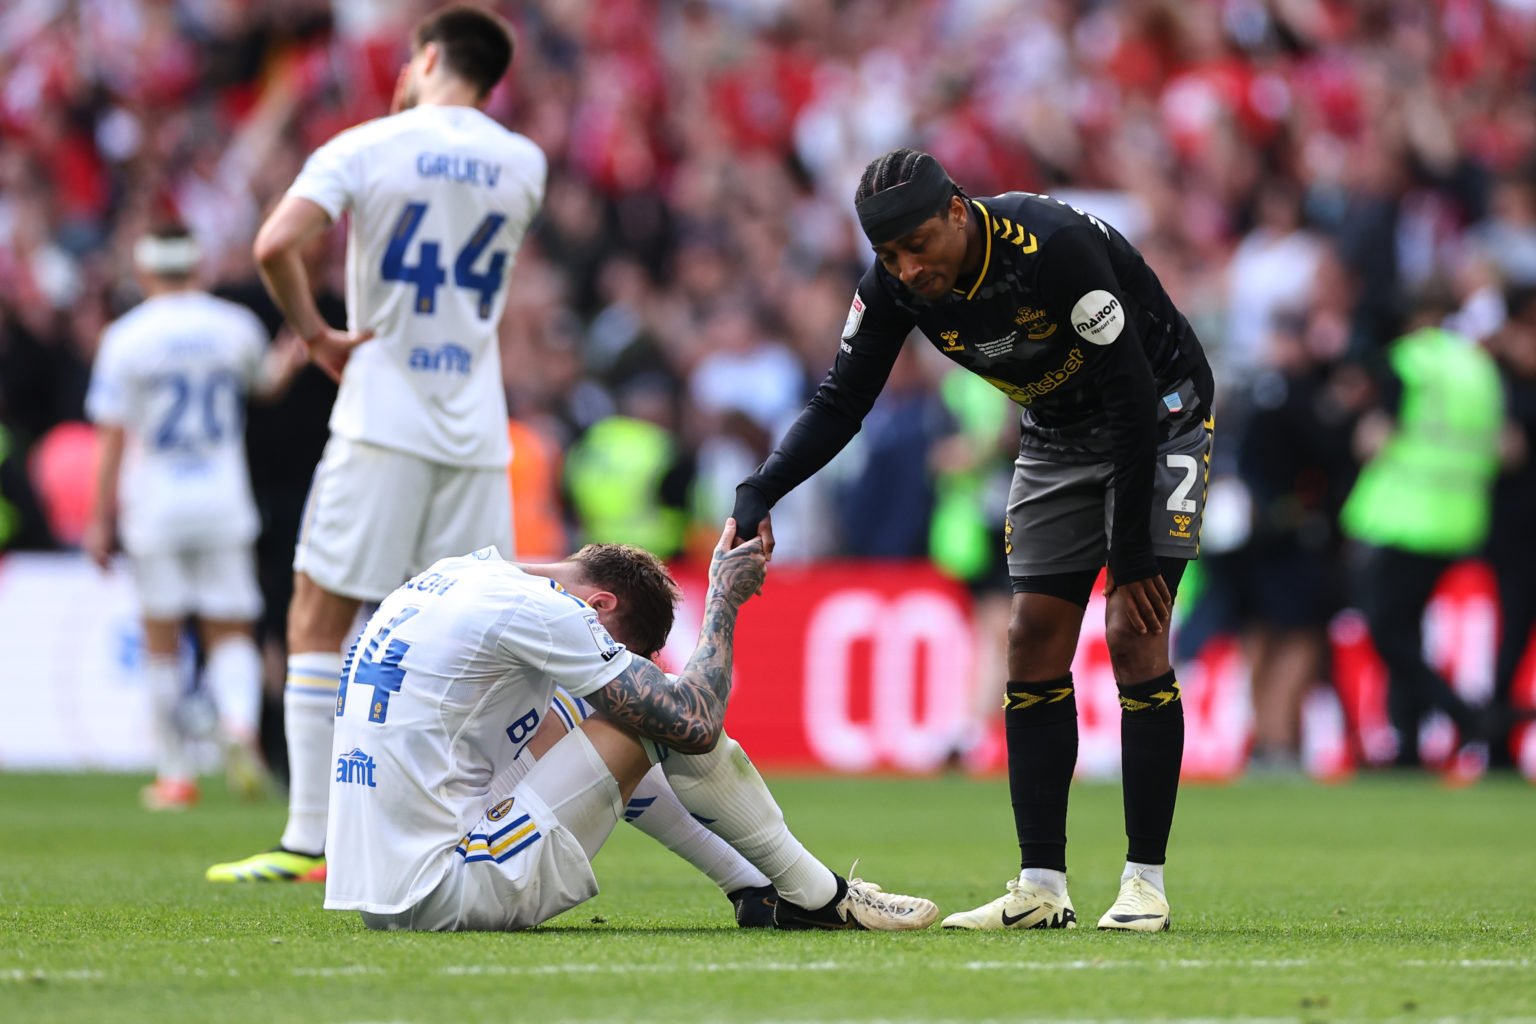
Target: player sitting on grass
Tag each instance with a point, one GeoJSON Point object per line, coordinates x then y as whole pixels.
{"type": "Point", "coordinates": [434, 823]}
{"type": "Point", "coordinates": [656, 811]}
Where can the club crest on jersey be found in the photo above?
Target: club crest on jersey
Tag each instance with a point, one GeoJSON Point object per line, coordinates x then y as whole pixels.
{"type": "Point", "coordinates": [1036, 326]}
{"type": "Point", "coordinates": [356, 767]}
{"type": "Point", "coordinates": [446, 358]}
{"type": "Point", "coordinates": [500, 811]}
{"type": "Point", "coordinates": [855, 318]}
{"type": "Point", "coordinates": [951, 342]}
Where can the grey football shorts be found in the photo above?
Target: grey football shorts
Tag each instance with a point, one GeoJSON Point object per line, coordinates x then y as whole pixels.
{"type": "Point", "coordinates": [1059, 513]}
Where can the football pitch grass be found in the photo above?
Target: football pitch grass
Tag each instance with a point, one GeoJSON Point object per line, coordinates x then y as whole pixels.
{"type": "Point", "coordinates": [1386, 898]}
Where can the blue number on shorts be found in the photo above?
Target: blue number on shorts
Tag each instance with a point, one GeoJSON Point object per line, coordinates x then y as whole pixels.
{"type": "Point", "coordinates": [428, 274]}
{"type": "Point", "coordinates": [382, 673]}
{"type": "Point", "coordinates": [217, 398]}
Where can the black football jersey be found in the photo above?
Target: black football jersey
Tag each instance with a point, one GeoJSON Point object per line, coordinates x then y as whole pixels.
{"type": "Point", "coordinates": [1067, 320]}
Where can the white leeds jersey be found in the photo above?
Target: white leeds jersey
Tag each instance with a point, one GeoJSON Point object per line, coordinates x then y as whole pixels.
{"type": "Point", "coordinates": [444, 687]}
{"type": "Point", "coordinates": [174, 373]}
{"type": "Point", "coordinates": [440, 198]}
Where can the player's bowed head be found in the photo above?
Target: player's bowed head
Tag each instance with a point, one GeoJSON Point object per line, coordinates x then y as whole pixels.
{"type": "Point", "coordinates": [918, 222]}
{"type": "Point", "coordinates": [635, 596]}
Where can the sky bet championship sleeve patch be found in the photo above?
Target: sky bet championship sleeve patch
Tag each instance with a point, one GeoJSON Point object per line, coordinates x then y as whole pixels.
{"type": "Point", "coordinates": [605, 643]}
{"type": "Point", "coordinates": [855, 317]}
{"type": "Point", "coordinates": [1098, 317]}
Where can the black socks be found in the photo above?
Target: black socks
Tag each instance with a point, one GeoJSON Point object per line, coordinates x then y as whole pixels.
{"type": "Point", "coordinates": [1041, 722]}
{"type": "Point", "coordinates": [1151, 751]}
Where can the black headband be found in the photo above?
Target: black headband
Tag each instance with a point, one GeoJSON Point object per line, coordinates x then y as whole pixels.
{"type": "Point", "coordinates": [901, 208]}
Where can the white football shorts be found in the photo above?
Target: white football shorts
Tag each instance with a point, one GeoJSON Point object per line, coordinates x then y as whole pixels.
{"type": "Point", "coordinates": [375, 517]}
{"type": "Point", "coordinates": [211, 583]}
{"type": "Point", "coordinates": [529, 857]}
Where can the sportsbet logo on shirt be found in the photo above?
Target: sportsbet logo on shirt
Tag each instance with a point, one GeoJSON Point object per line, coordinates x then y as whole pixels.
{"type": "Point", "coordinates": [1098, 317]}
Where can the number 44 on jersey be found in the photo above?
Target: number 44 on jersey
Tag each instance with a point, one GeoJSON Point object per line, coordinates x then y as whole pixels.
{"type": "Point", "coordinates": [427, 273]}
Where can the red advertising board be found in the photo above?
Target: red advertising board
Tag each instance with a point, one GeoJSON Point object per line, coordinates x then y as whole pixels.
{"type": "Point", "coordinates": [861, 667]}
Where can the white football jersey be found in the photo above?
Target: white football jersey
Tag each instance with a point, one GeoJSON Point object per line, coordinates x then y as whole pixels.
{"type": "Point", "coordinates": [445, 686]}
{"type": "Point", "coordinates": [174, 373]}
{"type": "Point", "coordinates": [440, 198]}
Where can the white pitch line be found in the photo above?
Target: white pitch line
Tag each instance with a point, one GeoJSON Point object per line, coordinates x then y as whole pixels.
{"type": "Point", "coordinates": [42, 974]}
{"type": "Point", "coordinates": [1469, 963]}
{"type": "Point", "coordinates": [521, 970]}
{"type": "Point", "coordinates": [779, 967]}
{"type": "Point", "coordinates": [1091, 965]}
{"type": "Point", "coordinates": [335, 972]}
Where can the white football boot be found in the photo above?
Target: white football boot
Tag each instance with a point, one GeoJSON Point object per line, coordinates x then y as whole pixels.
{"type": "Point", "coordinates": [1139, 908]}
{"type": "Point", "coordinates": [1024, 905]}
{"type": "Point", "coordinates": [860, 905]}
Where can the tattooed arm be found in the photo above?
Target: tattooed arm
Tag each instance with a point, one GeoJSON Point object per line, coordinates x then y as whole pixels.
{"type": "Point", "coordinates": [687, 715]}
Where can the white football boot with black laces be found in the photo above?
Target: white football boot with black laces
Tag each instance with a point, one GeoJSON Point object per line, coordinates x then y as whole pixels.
{"type": "Point", "coordinates": [1024, 905]}
{"type": "Point", "coordinates": [1139, 908]}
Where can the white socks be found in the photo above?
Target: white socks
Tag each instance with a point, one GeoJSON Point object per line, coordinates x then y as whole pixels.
{"type": "Point", "coordinates": [1152, 874]}
{"type": "Point", "coordinates": [309, 704]}
{"type": "Point", "coordinates": [725, 791]}
{"type": "Point", "coordinates": [163, 680]}
{"type": "Point", "coordinates": [655, 810]}
{"type": "Point", "coordinates": [233, 678]}
{"type": "Point", "coordinates": [1046, 878]}
{"type": "Point", "coordinates": [1056, 881]}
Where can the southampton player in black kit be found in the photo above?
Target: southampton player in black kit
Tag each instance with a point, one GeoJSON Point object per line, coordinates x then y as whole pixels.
{"type": "Point", "coordinates": [1060, 313]}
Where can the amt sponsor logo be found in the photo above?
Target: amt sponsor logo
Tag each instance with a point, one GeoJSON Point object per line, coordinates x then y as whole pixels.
{"type": "Point", "coordinates": [356, 767]}
{"type": "Point", "coordinates": [446, 358]}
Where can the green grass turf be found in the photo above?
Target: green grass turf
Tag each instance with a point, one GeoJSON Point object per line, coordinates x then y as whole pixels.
{"type": "Point", "coordinates": [1387, 898]}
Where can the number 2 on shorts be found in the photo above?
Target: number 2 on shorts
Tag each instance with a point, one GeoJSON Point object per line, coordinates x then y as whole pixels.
{"type": "Point", "coordinates": [1179, 500]}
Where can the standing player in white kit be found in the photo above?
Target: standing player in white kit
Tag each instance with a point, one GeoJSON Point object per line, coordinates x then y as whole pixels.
{"type": "Point", "coordinates": [168, 396]}
{"type": "Point", "coordinates": [440, 196]}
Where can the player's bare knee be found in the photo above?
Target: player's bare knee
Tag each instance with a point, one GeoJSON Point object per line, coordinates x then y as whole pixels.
{"type": "Point", "coordinates": [1039, 649]}
{"type": "Point", "coordinates": [550, 732]}
{"type": "Point", "coordinates": [1135, 656]}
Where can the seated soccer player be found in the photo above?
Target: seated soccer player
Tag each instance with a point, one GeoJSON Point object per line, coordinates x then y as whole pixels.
{"type": "Point", "coordinates": [657, 812]}
{"type": "Point", "coordinates": [433, 823]}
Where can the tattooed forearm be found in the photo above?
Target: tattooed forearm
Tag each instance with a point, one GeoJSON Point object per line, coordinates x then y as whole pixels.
{"type": "Point", "coordinates": [644, 700]}
{"type": "Point", "coordinates": [687, 715]}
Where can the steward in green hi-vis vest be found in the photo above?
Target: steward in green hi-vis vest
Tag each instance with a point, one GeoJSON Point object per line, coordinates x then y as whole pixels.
{"type": "Point", "coordinates": [614, 477]}
{"type": "Point", "coordinates": [964, 536]}
{"type": "Point", "coordinates": [1429, 490]}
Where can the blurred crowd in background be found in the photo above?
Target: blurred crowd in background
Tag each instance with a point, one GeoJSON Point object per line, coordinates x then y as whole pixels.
{"type": "Point", "coordinates": [1297, 172]}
